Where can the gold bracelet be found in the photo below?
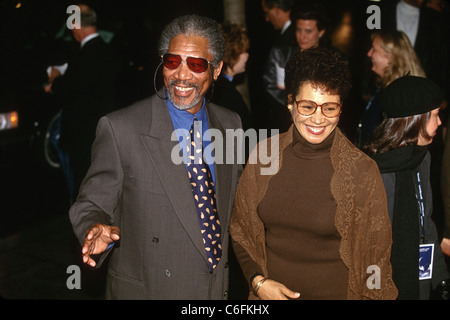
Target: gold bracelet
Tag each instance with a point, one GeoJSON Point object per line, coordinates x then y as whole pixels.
{"type": "Point", "coordinates": [259, 284]}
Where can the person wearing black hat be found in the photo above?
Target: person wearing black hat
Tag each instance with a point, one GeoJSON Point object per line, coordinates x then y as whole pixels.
{"type": "Point", "coordinates": [400, 147]}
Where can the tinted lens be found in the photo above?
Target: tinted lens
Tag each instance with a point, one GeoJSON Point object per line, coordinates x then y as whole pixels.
{"type": "Point", "coordinates": [306, 108]}
{"type": "Point", "coordinates": [331, 109]}
{"type": "Point", "coordinates": [171, 61]}
{"type": "Point", "coordinates": [198, 65]}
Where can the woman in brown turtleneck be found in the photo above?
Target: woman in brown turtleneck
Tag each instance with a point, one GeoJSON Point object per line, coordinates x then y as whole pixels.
{"type": "Point", "coordinates": [316, 228]}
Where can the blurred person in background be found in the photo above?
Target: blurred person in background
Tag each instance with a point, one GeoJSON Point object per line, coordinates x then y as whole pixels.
{"type": "Point", "coordinates": [278, 13]}
{"type": "Point", "coordinates": [85, 89]}
{"type": "Point", "coordinates": [310, 25]}
{"type": "Point", "coordinates": [400, 146]}
{"type": "Point", "coordinates": [392, 57]}
{"type": "Point", "coordinates": [225, 93]}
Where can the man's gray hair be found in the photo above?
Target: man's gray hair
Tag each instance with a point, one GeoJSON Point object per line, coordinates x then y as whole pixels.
{"type": "Point", "coordinates": [193, 25]}
{"type": "Point", "coordinates": [88, 16]}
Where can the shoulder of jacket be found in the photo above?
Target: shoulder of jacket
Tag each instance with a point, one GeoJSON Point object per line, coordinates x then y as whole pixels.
{"type": "Point", "coordinates": [223, 113]}
{"type": "Point", "coordinates": [140, 109]}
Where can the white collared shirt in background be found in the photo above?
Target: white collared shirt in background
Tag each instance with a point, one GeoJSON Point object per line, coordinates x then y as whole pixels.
{"type": "Point", "coordinates": [408, 20]}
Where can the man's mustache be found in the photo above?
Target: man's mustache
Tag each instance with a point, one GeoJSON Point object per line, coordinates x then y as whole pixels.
{"type": "Point", "coordinates": [183, 83]}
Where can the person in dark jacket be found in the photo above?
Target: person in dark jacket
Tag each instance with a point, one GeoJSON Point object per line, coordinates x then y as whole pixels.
{"type": "Point", "coordinates": [225, 93]}
{"type": "Point", "coordinates": [86, 91]}
{"type": "Point", "coordinates": [400, 147]}
{"type": "Point", "coordinates": [310, 26]}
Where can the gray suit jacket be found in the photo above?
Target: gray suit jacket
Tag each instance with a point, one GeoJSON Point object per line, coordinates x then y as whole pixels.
{"type": "Point", "coordinates": [132, 183]}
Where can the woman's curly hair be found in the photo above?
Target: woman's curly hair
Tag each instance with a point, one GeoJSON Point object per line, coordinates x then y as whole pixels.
{"type": "Point", "coordinates": [324, 68]}
{"type": "Point", "coordinates": [236, 43]}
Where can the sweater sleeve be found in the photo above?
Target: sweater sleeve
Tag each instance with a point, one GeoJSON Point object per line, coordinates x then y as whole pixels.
{"type": "Point", "coordinates": [248, 266]}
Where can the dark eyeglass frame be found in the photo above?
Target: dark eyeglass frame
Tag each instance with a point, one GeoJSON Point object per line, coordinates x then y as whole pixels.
{"type": "Point", "coordinates": [195, 64]}
{"type": "Point", "coordinates": [318, 105]}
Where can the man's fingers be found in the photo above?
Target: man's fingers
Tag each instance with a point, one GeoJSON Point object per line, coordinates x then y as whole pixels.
{"type": "Point", "coordinates": [88, 260]}
{"type": "Point", "coordinates": [87, 250]}
{"type": "Point", "coordinates": [115, 233]}
{"type": "Point", "coordinates": [94, 231]}
{"type": "Point", "coordinates": [97, 239]}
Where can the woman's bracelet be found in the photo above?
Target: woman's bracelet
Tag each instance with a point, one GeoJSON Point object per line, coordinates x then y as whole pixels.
{"type": "Point", "coordinates": [259, 284]}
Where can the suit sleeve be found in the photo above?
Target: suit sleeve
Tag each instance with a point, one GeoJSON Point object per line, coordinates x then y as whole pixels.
{"type": "Point", "coordinates": [101, 188]}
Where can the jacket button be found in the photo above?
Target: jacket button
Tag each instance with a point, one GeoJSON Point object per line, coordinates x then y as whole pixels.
{"type": "Point", "coordinates": [225, 293]}
{"type": "Point", "coordinates": [155, 240]}
{"type": "Point", "coordinates": [168, 273]}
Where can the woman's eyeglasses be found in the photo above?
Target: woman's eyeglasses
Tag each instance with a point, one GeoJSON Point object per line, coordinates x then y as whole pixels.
{"type": "Point", "coordinates": [173, 61]}
{"type": "Point", "coordinates": [329, 109]}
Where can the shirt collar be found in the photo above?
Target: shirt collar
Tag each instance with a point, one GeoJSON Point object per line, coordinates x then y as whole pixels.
{"type": "Point", "coordinates": [286, 25]}
{"type": "Point", "coordinates": [228, 77]}
{"type": "Point", "coordinates": [89, 37]}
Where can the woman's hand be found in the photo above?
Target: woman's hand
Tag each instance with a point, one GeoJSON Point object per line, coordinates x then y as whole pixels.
{"type": "Point", "coordinates": [273, 290]}
{"type": "Point", "coordinates": [445, 246]}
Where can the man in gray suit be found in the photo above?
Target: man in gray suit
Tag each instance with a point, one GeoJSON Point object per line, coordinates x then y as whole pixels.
{"type": "Point", "coordinates": [136, 204]}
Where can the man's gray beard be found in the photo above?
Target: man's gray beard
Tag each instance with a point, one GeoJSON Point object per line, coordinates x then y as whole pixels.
{"type": "Point", "coordinates": [182, 107]}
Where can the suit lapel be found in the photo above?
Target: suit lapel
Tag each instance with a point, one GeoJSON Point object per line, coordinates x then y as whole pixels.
{"type": "Point", "coordinates": [158, 144]}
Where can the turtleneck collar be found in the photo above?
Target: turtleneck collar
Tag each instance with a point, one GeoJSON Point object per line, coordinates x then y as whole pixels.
{"type": "Point", "coordinates": [303, 149]}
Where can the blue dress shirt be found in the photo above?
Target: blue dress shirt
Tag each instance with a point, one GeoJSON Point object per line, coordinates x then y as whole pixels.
{"type": "Point", "coordinates": [183, 119]}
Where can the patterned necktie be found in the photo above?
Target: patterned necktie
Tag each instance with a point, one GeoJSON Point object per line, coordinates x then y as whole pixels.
{"type": "Point", "coordinates": [204, 197]}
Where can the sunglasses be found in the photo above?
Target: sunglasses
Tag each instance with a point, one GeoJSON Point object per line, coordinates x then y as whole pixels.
{"type": "Point", "coordinates": [173, 61]}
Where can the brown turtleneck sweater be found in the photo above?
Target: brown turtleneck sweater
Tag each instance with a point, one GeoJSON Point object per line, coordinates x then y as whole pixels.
{"type": "Point", "coordinates": [298, 212]}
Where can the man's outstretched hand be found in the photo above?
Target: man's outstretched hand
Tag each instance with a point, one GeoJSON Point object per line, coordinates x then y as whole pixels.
{"type": "Point", "coordinates": [97, 240]}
